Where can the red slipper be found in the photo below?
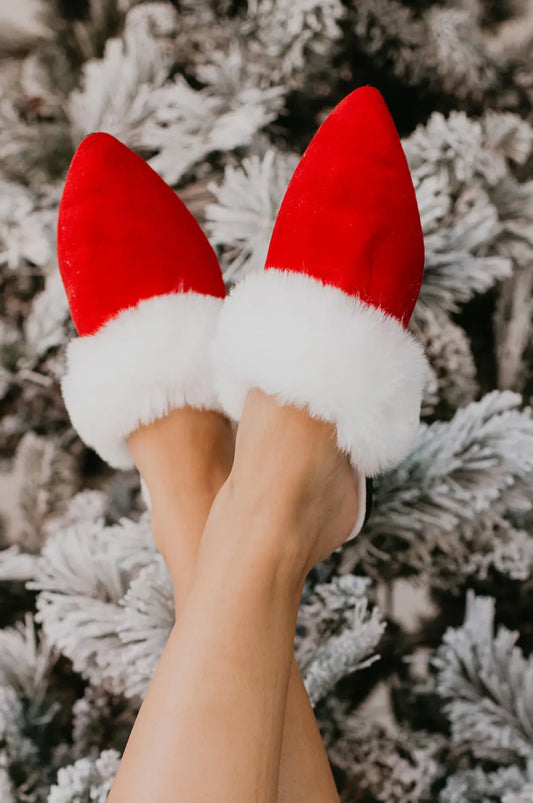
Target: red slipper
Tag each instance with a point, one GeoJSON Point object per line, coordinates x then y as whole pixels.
{"type": "Point", "coordinates": [145, 291]}
{"type": "Point", "coordinates": [323, 327]}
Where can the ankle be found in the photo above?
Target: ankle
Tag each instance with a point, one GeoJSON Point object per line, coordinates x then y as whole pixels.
{"type": "Point", "coordinates": [186, 493]}
{"type": "Point", "coordinates": [183, 459]}
{"type": "Point", "coordinates": [185, 454]}
{"type": "Point", "coordinates": [249, 526]}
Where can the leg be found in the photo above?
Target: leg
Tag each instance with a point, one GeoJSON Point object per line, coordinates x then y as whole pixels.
{"type": "Point", "coordinates": [305, 774]}
{"type": "Point", "coordinates": [202, 443]}
{"type": "Point", "coordinates": [184, 459]}
{"type": "Point", "coordinates": [289, 501]}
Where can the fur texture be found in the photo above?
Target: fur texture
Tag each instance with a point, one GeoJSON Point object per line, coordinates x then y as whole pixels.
{"type": "Point", "coordinates": [313, 346]}
{"type": "Point", "coordinates": [150, 359]}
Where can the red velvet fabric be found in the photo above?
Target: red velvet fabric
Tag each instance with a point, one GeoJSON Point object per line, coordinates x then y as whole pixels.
{"type": "Point", "coordinates": [124, 235]}
{"type": "Point", "coordinates": [350, 216]}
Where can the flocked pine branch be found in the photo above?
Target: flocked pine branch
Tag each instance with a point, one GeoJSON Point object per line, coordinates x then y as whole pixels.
{"type": "Point", "coordinates": [478, 786]}
{"type": "Point", "coordinates": [116, 92]}
{"type": "Point", "coordinates": [45, 326]}
{"type": "Point", "coordinates": [19, 756]}
{"type": "Point", "coordinates": [181, 123]}
{"type": "Point", "coordinates": [84, 572]}
{"type": "Point", "coordinates": [525, 795]}
{"type": "Point", "coordinates": [29, 705]}
{"type": "Point", "coordinates": [241, 219]}
{"type": "Point", "coordinates": [508, 550]}
{"type": "Point", "coordinates": [288, 42]}
{"type": "Point", "coordinates": [27, 227]}
{"type": "Point", "coordinates": [456, 473]}
{"type": "Point", "coordinates": [513, 326]}
{"type": "Point", "coordinates": [187, 124]}
{"type": "Point", "coordinates": [487, 684]}
{"type": "Point", "coordinates": [7, 792]}
{"type": "Point", "coordinates": [26, 661]}
{"type": "Point", "coordinates": [78, 601]}
{"type": "Point", "coordinates": [469, 149]}
{"type": "Point", "coordinates": [449, 353]}
{"type": "Point", "coordinates": [430, 394]}
{"type": "Point", "coordinates": [85, 506]}
{"type": "Point", "coordinates": [443, 47]}
{"type": "Point", "coordinates": [325, 610]}
{"type": "Point", "coordinates": [30, 154]}
{"type": "Point", "coordinates": [488, 547]}
{"type": "Point", "coordinates": [286, 36]}
{"type": "Point", "coordinates": [462, 175]}
{"type": "Point", "coordinates": [100, 721]}
{"type": "Point", "coordinates": [86, 781]}
{"type": "Point", "coordinates": [23, 30]}
{"type": "Point", "coordinates": [389, 767]}
{"type": "Point", "coordinates": [114, 623]}
{"type": "Point", "coordinates": [455, 271]}
{"type": "Point", "coordinates": [514, 311]}
{"type": "Point", "coordinates": [341, 633]}
{"type": "Point", "coordinates": [43, 477]}
{"type": "Point", "coordinates": [17, 565]}
{"type": "Point", "coordinates": [460, 170]}
{"type": "Point", "coordinates": [77, 33]}
{"type": "Point", "coordinates": [144, 625]}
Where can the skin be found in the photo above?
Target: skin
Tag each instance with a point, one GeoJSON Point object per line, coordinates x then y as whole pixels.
{"type": "Point", "coordinates": [226, 716]}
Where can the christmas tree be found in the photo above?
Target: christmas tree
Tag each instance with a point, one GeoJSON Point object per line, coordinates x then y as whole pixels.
{"type": "Point", "coordinates": [221, 97]}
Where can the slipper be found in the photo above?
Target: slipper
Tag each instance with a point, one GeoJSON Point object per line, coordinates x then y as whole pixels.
{"type": "Point", "coordinates": [323, 326]}
{"type": "Point", "coordinates": [145, 292]}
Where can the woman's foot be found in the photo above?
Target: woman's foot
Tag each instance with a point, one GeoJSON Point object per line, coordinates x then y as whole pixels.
{"type": "Point", "coordinates": [184, 458]}
{"type": "Point", "coordinates": [288, 467]}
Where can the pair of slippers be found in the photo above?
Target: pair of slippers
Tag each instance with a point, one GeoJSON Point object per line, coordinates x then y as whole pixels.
{"type": "Point", "coordinates": [322, 327]}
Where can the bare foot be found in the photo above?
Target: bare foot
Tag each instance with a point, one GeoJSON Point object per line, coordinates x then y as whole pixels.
{"type": "Point", "coordinates": [184, 458]}
{"type": "Point", "coordinates": [284, 454]}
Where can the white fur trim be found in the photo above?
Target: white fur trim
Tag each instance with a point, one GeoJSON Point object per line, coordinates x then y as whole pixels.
{"type": "Point", "coordinates": [150, 359]}
{"type": "Point", "coordinates": [313, 346]}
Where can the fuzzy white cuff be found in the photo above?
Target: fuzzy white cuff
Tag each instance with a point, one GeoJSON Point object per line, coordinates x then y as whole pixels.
{"type": "Point", "coordinates": [313, 346]}
{"type": "Point", "coordinates": [150, 359]}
